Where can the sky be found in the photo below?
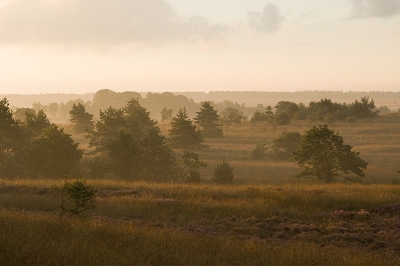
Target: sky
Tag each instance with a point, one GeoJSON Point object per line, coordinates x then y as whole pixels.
{"type": "Point", "coordinates": [81, 46]}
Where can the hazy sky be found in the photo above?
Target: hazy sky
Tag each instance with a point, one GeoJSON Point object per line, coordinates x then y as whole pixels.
{"type": "Point", "coordinates": [77, 46]}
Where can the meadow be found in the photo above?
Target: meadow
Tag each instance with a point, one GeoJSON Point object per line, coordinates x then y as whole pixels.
{"type": "Point", "coordinates": [267, 217]}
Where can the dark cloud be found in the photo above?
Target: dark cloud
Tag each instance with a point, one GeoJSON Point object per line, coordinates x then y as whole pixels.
{"type": "Point", "coordinates": [102, 22]}
{"type": "Point", "coordinates": [375, 8]}
{"type": "Point", "coordinates": [269, 20]}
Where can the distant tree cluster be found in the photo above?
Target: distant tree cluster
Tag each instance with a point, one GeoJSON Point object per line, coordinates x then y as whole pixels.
{"type": "Point", "coordinates": [323, 110]}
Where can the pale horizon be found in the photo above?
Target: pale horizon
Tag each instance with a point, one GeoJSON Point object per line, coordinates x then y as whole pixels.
{"type": "Point", "coordinates": [60, 46]}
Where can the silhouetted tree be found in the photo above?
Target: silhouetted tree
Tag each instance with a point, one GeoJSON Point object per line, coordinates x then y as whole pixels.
{"type": "Point", "coordinates": [110, 124]}
{"type": "Point", "coordinates": [158, 159]}
{"type": "Point", "coordinates": [124, 155]}
{"type": "Point", "coordinates": [282, 119]}
{"type": "Point", "coordinates": [137, 118]}
{"type": "Point", "coordinates": [53, 153]}
{"type": "Point", "coordinates": [290, 108]}
{"type": "Point", "coordinates": [223, 173]}
{"type": "Point", "coordinates": [286, 144]}
{"type": "Point", "coordinates": [20, 113]}
{"type": "Point", "coordinates": [208, 118]}
{"type": "Point", "coordinates": [9, 130]}
{"type": "Point", "coordinates": [266, 116]}
{"type": "Point", "coordinates": [35, 123]}
{"type": "Point", "coordinates": [183, 133]}
{"type": "Point", "coordinates": [166, 114]}
{"type": "Point", "coordinates": [81, 119]}
{"type": "Point", "coordinates": [233, 115]}
{"type": "Point", "coordinates": [191, 164]}
{"type": "Point", "coordinates": [323, 154]}
{"type": "Point", "coordinates": [364, 108]}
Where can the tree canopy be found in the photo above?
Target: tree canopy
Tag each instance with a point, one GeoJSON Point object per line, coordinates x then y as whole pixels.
{"type": "Point", "coordinates": [53, 153]}
{"type": "Point", "coordinates": [323, 154]}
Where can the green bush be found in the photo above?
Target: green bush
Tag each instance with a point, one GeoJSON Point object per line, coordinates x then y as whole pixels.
{"type": "Point", "coordinates": [223, 173]}
{"type": "Point", "coordinates": [77, 197]}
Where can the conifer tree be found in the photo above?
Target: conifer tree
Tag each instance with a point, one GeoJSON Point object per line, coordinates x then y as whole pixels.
{"type": "Point", "coordinates": [183, 133]}
{"type": "Point", "coordinates": [81, 119]}
{"type": "Point", "coordinates": [208, 119]}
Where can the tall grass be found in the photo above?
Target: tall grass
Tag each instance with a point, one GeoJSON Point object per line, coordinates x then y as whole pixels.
{"type": "Point", "coordinates": [43, 239]}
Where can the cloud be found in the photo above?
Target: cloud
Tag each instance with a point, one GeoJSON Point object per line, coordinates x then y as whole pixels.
{"type": "Point", "coordinates": [269, 20]}
{"type": "Point", "coordinates": [101, 22]}
{"type": "Point", "coordinates": [374, 8]}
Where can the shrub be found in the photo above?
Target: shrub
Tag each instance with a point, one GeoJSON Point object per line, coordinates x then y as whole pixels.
{"type": "Point", "coordinates": [223, 173]}
{"type": "Point", "coordinates": [193, 177]}
{"type": "Point", "coordinates": [282, 119]}
{"type": "Point", "coordinates": [77, 197]}
{"type": "Point", "coordinates": [259, 151]}
{"type": "Point", "coordinates": [285, 145]}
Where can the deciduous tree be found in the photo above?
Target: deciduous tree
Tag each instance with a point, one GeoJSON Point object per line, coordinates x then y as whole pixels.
{"type": "Point", "coordinates": [191, 164]}
{"type": "Point", "coordinates": [323, 154]}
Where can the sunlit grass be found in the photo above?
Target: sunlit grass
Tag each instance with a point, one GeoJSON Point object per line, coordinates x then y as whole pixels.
{"type": "Point", "coordinates": [141, 223]}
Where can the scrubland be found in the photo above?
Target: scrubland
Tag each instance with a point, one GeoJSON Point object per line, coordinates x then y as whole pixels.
{"type": "Point", "coordinates": [267, 217]}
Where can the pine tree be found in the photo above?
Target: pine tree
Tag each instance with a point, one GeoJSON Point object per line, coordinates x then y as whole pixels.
{"type": "Point", "coordinates": [208, 119]}
{"type": "Point", "coordinates": [223, 173]}
{"type": "Point", "coordinates": [35, 123]}
{"type": "Point", "coordinates": [7, 128]}
{"type": "Point", "coordinates": [81, 119]}
{"type": "Point", "coordinates": [53, 153]}
{"type": "Point", "coordinates": [183, 133]}
{"type": "Point", "coordinates": [158, 159]}
{"type": "Point", "coordinates": [124, 155]}
{"type": "Point", "coordinates": [138, 119]}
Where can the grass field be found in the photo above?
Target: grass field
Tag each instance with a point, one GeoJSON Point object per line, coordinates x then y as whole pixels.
{"type": "Point", "coordinates": [267, 217]}
{"type": "Point", "coordinates": [137, 223]}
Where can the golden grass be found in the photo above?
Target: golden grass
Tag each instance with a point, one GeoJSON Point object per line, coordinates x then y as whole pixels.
{"type": "Point", "coordinates": [139, 223]}
{"type": "Point", "coordinates": [43, 239]}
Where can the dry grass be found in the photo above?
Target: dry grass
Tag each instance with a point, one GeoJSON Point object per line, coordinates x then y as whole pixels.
{"type": "Point", "coordinates": [138, 223]}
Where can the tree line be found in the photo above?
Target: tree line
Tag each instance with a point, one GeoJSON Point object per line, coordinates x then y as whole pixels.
{"type": "Point", "coordinates": [123, 141]}
{"type": "Point", "coordinates": [324, 110]}
{"type": "Point", "coordinates": [128, 143]}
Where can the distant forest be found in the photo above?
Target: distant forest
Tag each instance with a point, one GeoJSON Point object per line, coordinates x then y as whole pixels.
{"type": "Point", "coordinates": [57, 106]}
